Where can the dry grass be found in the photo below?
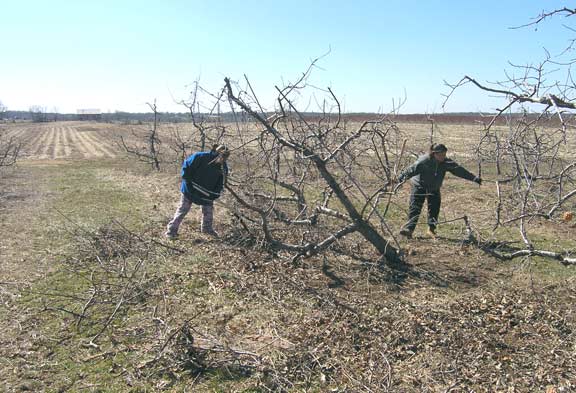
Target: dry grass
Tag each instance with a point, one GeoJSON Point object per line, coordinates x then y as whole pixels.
{"type": "Point", "coordinates": [219, 316]}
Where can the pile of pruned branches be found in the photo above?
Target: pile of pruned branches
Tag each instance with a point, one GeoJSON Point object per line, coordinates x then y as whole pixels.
{"type": "Point", "coordinates": [165, 318]}
{"type": "Point", "coordinates": [119, 301]}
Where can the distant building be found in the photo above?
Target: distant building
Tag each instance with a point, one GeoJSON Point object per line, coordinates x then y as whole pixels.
{"type": "Point", "coordinates": [89, 114]}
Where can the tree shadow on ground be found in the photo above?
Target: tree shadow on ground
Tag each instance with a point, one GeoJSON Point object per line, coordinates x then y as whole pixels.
{"type": "Point", "coordinates": [419, 267]}
{"type": "Point", "coordinates": [397, 273]}
{"type": "Point", "coordinates": [337, 282]}
{"type": "Point", "coordinates": [419, 270]}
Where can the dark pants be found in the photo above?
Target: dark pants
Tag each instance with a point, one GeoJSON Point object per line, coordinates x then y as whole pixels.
{"type": "Point", "coordinates": [417, 197]}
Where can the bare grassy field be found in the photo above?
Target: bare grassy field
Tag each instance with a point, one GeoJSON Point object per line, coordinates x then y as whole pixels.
{"type": "Point", "coordinates": [94, 299]}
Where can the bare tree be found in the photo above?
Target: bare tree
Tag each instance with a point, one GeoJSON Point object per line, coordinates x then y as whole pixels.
{"type": "Point", "coordinates": [528, 145]}
{"type": "Point", "coordinates": [55, 113]}
{"type": "Point", "coordinates": [9, 149]}
{"type": "Point", "coordinates": [3, 110]}
{"type": "Point", "coordinates": [38, 114]}
{"type": "Point", "coordinates": [9, 145]}
{"type": "Point", "coordinates": [149, 151]}
{"type": "Point", "coordinates": [208, 128]}
{"type": "Point", "coordinates": [307, 181]}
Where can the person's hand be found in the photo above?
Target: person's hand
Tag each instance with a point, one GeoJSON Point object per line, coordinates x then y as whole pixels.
{"type": "Point", "coordinates": [398, 186]}
{"type": "Point", "coordinates": [478, 180]}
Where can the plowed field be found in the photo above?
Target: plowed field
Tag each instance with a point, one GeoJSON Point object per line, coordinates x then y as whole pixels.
{"type": "Point", "coordinates": [61, 141]}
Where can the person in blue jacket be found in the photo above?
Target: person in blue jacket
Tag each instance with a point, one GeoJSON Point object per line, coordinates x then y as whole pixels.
{"type": "Point", "coordinates": [427, 175]}
{"type": "Point", "coordinates": [203, 178]}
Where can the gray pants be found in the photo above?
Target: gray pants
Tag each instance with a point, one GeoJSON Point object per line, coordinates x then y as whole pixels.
{"type": "Point", "coordinates": [183, 209]}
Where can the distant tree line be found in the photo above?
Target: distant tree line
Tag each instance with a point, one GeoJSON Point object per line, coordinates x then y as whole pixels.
{"type": "Point", "coordinates": [40, 115]}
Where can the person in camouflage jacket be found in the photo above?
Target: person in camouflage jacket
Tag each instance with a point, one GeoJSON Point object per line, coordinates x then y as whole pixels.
{"type": "Point", "coordinates": [427, 175]}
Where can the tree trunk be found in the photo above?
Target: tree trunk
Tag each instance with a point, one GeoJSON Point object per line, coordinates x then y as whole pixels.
{"type": "Point", "coordinates": [364, 227]}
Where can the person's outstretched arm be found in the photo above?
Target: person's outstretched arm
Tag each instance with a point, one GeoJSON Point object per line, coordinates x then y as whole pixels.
{"type": "Point", "coordinates": [460, 171]}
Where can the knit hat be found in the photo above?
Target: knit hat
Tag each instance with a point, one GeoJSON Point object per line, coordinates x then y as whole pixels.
{"type": "Point", "coordinates": [438, 148]}
{"type": "Point", "coordinates": [222, 150]}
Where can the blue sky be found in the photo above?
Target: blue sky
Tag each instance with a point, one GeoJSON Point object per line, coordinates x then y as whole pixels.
{"type": "Point", "coordinates": [118, 55]}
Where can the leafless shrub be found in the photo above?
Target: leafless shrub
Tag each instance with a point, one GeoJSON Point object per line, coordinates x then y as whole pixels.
{"type": "Point", "coordinates": [9, 149]}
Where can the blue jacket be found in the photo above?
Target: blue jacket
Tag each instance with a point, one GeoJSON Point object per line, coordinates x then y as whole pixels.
{"type": "Point", "coordinates": [428, 173]}
{"type": "Point", "coordinates": [203, 179]}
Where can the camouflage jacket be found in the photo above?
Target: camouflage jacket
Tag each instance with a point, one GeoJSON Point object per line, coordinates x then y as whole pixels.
{"type": "Point", "coordinates": [428, 173]}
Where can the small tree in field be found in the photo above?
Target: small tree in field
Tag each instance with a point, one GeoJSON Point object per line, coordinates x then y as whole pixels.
{"type": "Point", "coordinates": [528, 145]}
{"type": "Point", "coordinates": [9, 149]}
{"type": "Point", "coordinates": [3, 110]}
{"type": "Point", "coordinates": [38, 113]}
{"type": "Point", "coordinates": [149, 151]}
{"type": "Point", "coordinates": [9, 146]}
